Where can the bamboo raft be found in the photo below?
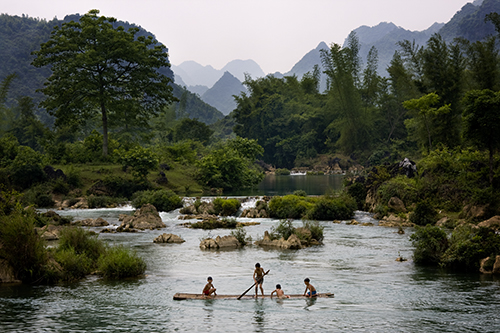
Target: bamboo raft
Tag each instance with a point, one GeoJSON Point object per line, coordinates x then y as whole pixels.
{"type": "Point", "coordinates": [184, 296]}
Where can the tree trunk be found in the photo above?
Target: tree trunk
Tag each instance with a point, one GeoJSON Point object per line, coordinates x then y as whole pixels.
{"type": "Point", "coordinates": [104, 130]}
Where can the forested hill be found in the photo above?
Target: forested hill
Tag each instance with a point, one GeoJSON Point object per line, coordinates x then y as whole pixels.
{"type": "Point", "coordinates": [19, 36]}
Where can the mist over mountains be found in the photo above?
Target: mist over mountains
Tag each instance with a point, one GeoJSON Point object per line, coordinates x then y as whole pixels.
{"type": "Point", "coordinates": [467, 23]}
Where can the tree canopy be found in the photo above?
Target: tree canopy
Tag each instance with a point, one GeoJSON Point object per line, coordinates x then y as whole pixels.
{"type": "Point", "coordinates": [100, 69]}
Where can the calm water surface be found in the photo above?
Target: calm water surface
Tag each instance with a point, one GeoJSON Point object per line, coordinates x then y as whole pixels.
{"type": "Point", "coordinates": [373, 292]}
{"type": "Point", "coordinates": [282, 185]}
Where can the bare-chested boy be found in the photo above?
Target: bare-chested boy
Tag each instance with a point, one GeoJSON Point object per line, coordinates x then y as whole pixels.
{"type": "Point", "coordinates": [312, 290]}
{"type": "Point", "coordinates": [258, 277]}
{"type": "Point", "coordinates": [279, 292]}
{"type": "Point", "coordinates": [209, 288]}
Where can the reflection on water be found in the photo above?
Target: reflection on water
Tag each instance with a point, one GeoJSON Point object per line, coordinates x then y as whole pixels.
{"type": "Point", "coordinates": [282, 185]}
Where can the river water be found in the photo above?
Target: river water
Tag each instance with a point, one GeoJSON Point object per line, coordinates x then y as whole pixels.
{"type": "Point", "coordinates": [373, 292]}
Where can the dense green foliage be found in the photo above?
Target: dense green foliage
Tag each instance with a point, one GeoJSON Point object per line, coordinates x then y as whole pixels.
{"type": "Point", "coordinates": [326, 207]}
{"type": "Point", "coordinates": [78, 253]}
{"type": "Point", "coordinates": [226, 207]}
{"type": "Point", "coordinates": [163, 200]}
{"type": "Point", "coordinates": [333, 208]}
{"type": "Point", "coordinates": [124, 76]}
{"type": "Point", "coordinates": [22, 247]}
{"type": "Point", "coordinates": [285, 228]}
{"type": "Point", "coordinates": [462, 250]}
{"type": "Point", "coordinates": [241, 235]}
{"type": "Point", "coordinates": [430, 244]}
{"type": "Point", "coordinates": [119, 262]}
{"type": "Point", "coordinates": [231, 165]}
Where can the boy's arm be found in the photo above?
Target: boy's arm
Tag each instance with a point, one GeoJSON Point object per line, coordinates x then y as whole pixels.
{"type": "Point", "coordinates": [274, 291]}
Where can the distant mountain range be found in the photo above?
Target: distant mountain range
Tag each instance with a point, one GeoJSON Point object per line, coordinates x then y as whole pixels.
{"type": "Point", "coordinates": [468, 23]}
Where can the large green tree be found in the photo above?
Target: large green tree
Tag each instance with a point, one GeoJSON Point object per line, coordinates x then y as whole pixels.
{"type": "Point", "coordinates": [98, 68]}
{"type": "Point", "coordinates": [482, 121]}
{"type": "Point", "coordinates": [342, 66]}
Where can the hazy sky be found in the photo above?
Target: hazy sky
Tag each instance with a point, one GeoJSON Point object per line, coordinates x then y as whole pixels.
{"type": "Point", "coordinates": [274, 33]}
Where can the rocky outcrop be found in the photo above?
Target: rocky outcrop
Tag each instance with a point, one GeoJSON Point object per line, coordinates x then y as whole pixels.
{"type": "Point", "coordinates": [220, 243]}
{"type": "Point", "coordinates": [49, 232]}
{"type": "Point", "coordinates": [293, 242]}
{"type": "Point", "coordinates": [394, 221]}
{"type": "Point", "coordinates": [396, 205]}
{"type": "Point", "coordinates": [146, 217]}
{"type": "Point", "coordinates": [168, 238]}
{"type": "Point", "coordinates": [474, 213]}
{"type": "Point", "coordinates": [492, 223]}
{"type": "Point", "coordinates": [98, 222]}
{"type": "Point", "coordinates": [486, 267]}
{"type": "Point", "coordinates": [255, 213]}
{"type": "Point", "coordinates": [7, 273]}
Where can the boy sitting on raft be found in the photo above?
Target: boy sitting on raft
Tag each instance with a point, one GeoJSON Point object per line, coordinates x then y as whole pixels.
{"type": "Point", "coordinates": [209, 288]}
{"type": "Point", "coordinates": [312, 290]}
{"type": "Point", "coordinates": [280, 293]}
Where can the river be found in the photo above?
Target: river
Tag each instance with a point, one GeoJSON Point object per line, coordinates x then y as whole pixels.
{"type": "Point", "coordinates": [373, 292]}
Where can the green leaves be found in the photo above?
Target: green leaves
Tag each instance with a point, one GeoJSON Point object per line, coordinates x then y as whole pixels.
{"type": "Point", "coordinates": [97, 68]}
{"type": "Point", "coordinates": [141, 160]}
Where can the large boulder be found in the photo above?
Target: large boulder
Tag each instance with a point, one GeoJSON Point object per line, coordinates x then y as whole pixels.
{"type": "Point", "coordinates": [225, 242]}
{"type": "Point", "coordinates": [98, 222]}
{"type": "Point", "coordinates": [492, 223]}
{"type": "Point", "coordinates": [293, 242]}
{"type": "Point", "coordinates": [488, 270]}
{"type": "Point", "coordinates": [396, 205]}
{"type": "Point", "coordinates": [146, 217]}
{"type": "Point", "coordinates": [49, 232]}
{"type": "Point", "coordinates": [168, 238]}
{"type": "Point", "coordinates": [394, 221]}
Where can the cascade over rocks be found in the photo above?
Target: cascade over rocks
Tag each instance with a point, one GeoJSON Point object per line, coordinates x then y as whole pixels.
{"type": "Point", "coordinates": [146, 217]}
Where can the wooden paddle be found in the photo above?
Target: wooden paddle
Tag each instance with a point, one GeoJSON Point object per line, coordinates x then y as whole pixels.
{"type": "Point", "coordinates": [253, 285]}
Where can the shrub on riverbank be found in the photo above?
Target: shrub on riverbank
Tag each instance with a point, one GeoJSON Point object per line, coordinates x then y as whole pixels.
{"type": "Point", "coordinates": [20, 245]}
{"type": "Point", "coordinates": [241, 235]}
{"type": "Point", "coordinates": [308, 232]}
{"type": "Point", "coordinates": [333, 208]}
{"type": "Point", "coordinates": [120, 262]}
{"type": "Point", "coordinates": [326, 207]}
{"type": "Point", "coordinates": [430, 244]}
{"type": "Point", "coordinates": [282, 172]}
{"type": "Point", "coordinates": [78, 253]}
{"type": "Point", "coordinates": [289, 206]}
{"type": "Point", "coordinates": [163, 200]}
{"type": "Point", "coordinates": [226, 207]}
{"type": "Point", "coordinates": [462, 250]}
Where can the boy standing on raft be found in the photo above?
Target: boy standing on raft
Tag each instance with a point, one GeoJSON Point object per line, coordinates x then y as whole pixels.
{"type": "Point", "coordinates": [258, 277]}
{"type": "Point", "coordinates": [312, 290]}
{"type": "Point", "coordinates": [209, 288]}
